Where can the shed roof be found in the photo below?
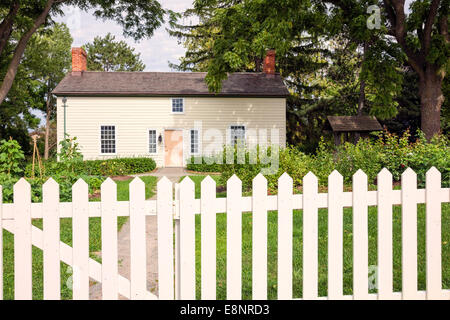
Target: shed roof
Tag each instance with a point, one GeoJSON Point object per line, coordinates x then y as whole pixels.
{"type": "Point", "coordinates": [354, 123]}
{"type": "Point", "coordinates": [90, 83]}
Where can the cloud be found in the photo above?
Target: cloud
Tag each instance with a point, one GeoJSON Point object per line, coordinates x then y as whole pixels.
{"type": "Point", "coordinates": [155, 52]}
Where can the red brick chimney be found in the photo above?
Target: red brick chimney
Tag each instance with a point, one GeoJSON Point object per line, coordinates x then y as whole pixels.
{"type": "Point", "coordinates": [79, 61]}
{"type": "Point", "coordinates": [269, 62]}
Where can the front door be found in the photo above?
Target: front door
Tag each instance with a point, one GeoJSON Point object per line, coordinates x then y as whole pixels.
{"type": "Point", "coordinates": [173, 148]}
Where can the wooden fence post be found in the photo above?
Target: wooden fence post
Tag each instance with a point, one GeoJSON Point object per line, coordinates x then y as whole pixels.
{"type": "Point", "coordinates": [433, 234]}
{"type": "Point", "coordinates": [187, 239]}
{"type": "Point", "coordinates": [164, 211]}
{"type": "Point", "coordinates": [310, 237]}
{"type": "Point", "coordinates": [335, 236]}
{"type": "Point", "coordinates": [208, 239]}
{"type": "Point", "coordinates": [360, 237]}
{"type": "Point", "coordinates": [285, 232]}
{"type": "Point", "coordinates": [409, 234]}
{"type": "Point", "coordinates": [138, 244]}
{"type": "Point", "coordinates": [80, 236]}
{"type": "Point", "coordinates": [110, 283]}
{"type": "Point", "coordinates": [234, 238]}
{"type": "Point", "coordinates": [52, 268]}
{"type": "Point", "coordinates": [259, 242]}
{"type": "Point", "coordinates": [22, 241]}
{"type": "Point", "coordinates": [385, 253]}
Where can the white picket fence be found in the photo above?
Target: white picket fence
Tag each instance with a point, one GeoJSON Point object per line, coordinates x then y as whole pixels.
{"type": "Point", "coordinates": [176, 264]}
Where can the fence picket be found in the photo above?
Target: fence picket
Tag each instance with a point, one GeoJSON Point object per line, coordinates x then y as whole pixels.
{"type": "Point", "coordinates": [80, 231]}
{"type": "Point", "coordinates": [409, 234]}
{"type": "Point", "coordinates": [360, 237]}
{"type": "Point", "coordinates": [384, 202]}
{"type": "Point", "coordinates": [234, 238]}
{"type": "Point", "coordinates": [109, 240]}
{"type": "Point", "coordinates": [22, 241]}
{"type": "Point", "coordinates": [1, 243]}
{"type": "Point", "coordinates": [208, 239]}
{"type": "Point", "coordinates": [310, 237]}
{"type": "Point", "coordinates": [176, 232]}
{"type": "Point", "coordinates": [164, 204]}
{"type": "Point", "coordinates": [285, 186]}
{"type": "Point", "coordinates": [138, 248]}
{"type": "Point", "coordinates": [433, 234]}
{"type": "Point", "coordinates": [335, 236]}
{"type": "Point", "coordinates": [259, 242]}
{"type": "Point", "coordinates": [187, 239]}
{"type": "Point", "coordinates": [52, 270]}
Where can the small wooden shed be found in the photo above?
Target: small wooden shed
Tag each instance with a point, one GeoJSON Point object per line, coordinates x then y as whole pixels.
{"type": "Point", "coordinates": [351, 128]}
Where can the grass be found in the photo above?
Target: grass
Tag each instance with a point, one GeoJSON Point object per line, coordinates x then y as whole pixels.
{"type": "Point", "coordinates": [297, 249]}
{"type": "Point", "coordinates": [66, 237]}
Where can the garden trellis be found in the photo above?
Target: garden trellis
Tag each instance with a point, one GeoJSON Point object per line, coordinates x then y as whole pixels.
{"type": "Point", "coordinates": [176, 211]}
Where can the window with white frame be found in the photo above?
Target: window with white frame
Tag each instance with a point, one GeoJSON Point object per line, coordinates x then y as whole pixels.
{"type": "Point", "coordinates": [177, 105]}
{"type": "Point", "coordinates": [237, 134]}
{"type": "Point", "coordinates": [194, 142]}
{"type": "Point", "coordinates": [108, 139]}
{"type": "Point", "coordinates": [152, 145]}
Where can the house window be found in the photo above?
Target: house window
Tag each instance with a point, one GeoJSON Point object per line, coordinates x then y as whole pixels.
{"type": "Point", "coordinates": [237, 134]}
{"type": "Point", "coordinates": [194, 142]}
{"type": "Point", "coordinates": [177, 105]}
{"type": "Point", "coordinates": [108, 139]}
{"type": "Point", "coordinates": [152, 141]}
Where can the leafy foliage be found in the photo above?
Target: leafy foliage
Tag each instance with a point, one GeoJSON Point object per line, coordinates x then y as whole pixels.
{"type": "Point", "coordinates": [396, 153]}
{"type": "Point", "coordinates": [110, 167]}
{"type": "Point", "coordinates": [11, 157]}
{"type": "Point", "coordinates": [106, 54]}
{"type": "Point", "coordinates": [70, 154]}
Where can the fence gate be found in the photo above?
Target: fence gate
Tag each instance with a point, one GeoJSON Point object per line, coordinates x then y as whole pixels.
{"type": "Point", "coordinates": [176, 224]}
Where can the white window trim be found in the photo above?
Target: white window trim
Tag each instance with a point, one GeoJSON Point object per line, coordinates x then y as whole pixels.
{"type": "Point", "coordinates": [100, 139]}
{"type": "Point", "coordinates": [171, 106]}
{"type": "Point", "coordinates": [148, 141]}
{"type": "Point", "coordinates": [198, 142]}
{"type": "Point", "coordinates": [229, 132]}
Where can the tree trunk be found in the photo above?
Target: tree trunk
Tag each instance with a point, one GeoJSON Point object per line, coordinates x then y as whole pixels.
{"type": "Point", "coordinates": [431, 99]}
{"type": "Point", "coordinates": [47, 128]}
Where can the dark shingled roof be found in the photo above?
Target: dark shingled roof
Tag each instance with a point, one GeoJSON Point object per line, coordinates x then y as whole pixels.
{"type": "Point", "coordinates": [91, 83]}
{"type": "Point", "coordinates": [354, 123]}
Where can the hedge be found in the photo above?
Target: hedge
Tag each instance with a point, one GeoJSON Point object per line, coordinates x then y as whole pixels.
{"type": "Point", "coordinates": [110, 167]}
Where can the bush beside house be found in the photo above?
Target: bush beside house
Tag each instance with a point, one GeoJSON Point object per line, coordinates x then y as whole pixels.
{"type": "Point", "coordinates": [370, 155]}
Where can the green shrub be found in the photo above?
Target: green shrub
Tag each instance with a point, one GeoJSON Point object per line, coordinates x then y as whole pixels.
{"type": "Point", "coordinates": [11, 157]}
{"type": "Point", "coordinates": [111, 167]}
{"type": "Point", "coordinates": [370, 155]}
{"type": "Point", "coordinates": [204, 165]}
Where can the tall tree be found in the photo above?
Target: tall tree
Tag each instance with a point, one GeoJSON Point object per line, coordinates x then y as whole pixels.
{"type": "Point", "coordinates": [422, 35]}
{"type": "Point", "coordinates": [48, 56]}
{"type": "Point", "coordinates": [138, 18]}
{"type": "Point", "coordinates": [107, 54]}
{"type": "Point", "coordinates": [243, 28]}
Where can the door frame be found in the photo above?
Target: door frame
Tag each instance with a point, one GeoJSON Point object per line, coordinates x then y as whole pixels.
{"type": "Point", "coordinates": [164, 146]}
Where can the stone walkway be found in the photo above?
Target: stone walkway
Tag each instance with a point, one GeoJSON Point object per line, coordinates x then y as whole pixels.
{"type": "Point", "coordinates": [174, 175]}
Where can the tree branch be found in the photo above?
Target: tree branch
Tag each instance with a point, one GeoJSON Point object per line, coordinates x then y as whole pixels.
{"type": "Point", "coordinates": [20, 49]}
{"type": "Point", "coordinates": [443, 27]}
{"type": "Point", "coordinates": [399, 31]}
{"type": "Point", "coordinates": [7, 25]}
{"type": "Point", "coordinates": [429, 25]}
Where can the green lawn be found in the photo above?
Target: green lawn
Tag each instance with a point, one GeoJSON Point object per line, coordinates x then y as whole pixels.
{"type": "Point", "coordinates": [66, 237]}
{"type": "Point", "coordinates": [297, 252]}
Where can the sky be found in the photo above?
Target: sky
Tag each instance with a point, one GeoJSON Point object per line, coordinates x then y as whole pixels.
{"type": "Point", "coordinates": [155, 52]}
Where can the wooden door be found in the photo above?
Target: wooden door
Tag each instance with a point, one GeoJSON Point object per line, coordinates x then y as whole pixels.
{"type": "Point", "coordinates": [173, 148]}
